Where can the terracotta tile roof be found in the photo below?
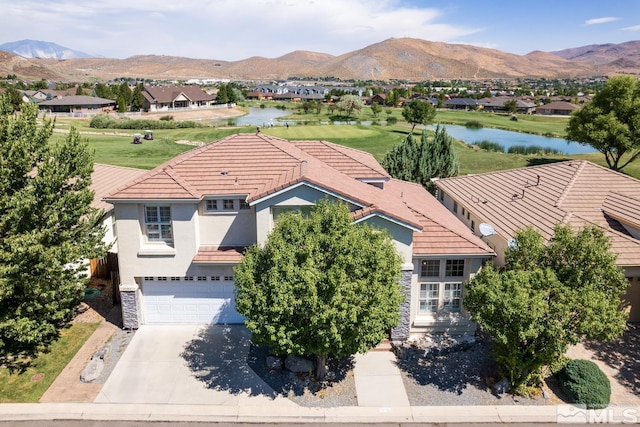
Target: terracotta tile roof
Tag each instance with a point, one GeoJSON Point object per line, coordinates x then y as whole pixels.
{"type": "Point", "coordinates": [442, 232]}
{"type": "Point", "coordinates": [355, 163]}
{"type": "Point", "coordinates": [106, 178]}
{"type": "Point", "coordinates": [260, 166]}
{"type": "Point", "coordinates": [219, 254]}
{"type": "Point", "coordinates": [573, 192]}
{"type": "Point", "coordinates": [624, 208]}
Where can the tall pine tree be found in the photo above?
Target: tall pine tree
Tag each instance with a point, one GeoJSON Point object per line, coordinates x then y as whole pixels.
{"type": "Point", "coordinates": [47, 229]}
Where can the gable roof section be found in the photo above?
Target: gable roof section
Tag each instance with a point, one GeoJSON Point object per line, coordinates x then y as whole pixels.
{"type": "Point", "coordinates": [106, 178]}
{"type": "Point", "coordinates": [624, 208]}
{"type": "Point", "coordinates": [573, 192]}
{"type": "Point", "coordinates": [442, 233]}
{"type": "Point", "coordinates": [166, 94]}
{"type": "Point", "coordinates": [354, 163]}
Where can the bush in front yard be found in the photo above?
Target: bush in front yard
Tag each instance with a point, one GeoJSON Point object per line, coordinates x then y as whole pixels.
{"type": "Point", "coordinates": [583, 382]}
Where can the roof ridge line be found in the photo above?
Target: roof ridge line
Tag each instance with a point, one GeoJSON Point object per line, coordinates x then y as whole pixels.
{"type": "Point", "coordinates": [173, 174]}
{"type": "Point", "coordinates": [336, 147]}
{"type": "Point", "coordinates": [570, 185]}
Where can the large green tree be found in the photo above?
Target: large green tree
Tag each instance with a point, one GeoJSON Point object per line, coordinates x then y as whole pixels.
{"type": "Point", "coordinates": [610, 123]}
{"type": "Point", "coordinates": [350, 104]}
{"type": "Point", "coordinates": [320, 285]}
{"type": "Point", "coordinates": [418, 112]}
{"type": "Point", "coordinates": [548, 297]}
{"type": "Point", "coordinates": [419, 161]}
{"type": "Point", "coordinates": [47, 228]}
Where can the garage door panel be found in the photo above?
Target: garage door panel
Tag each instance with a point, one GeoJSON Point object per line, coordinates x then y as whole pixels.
{"type": "Point", "coordinates": [199, 302]}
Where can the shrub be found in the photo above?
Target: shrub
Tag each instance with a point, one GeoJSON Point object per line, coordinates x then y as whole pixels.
{"type": "Point", "coordinates": [392, 120]}
{"type": "Point", "coordinates": [489, 146]}
{"type": "Point", "coordinates": [102, 121]}
{"type": "Point", "coordinates": [532, 149]}
{"type": "Point", "coordinates": [473, 124]}
{"type": "Point", "coordinates": [167, 118]}
{"type": "Point", "coordinates": [584, 383]}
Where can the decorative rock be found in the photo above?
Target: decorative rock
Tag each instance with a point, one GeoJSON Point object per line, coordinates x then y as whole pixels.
{"type": "Point", "coordinates": [501, 387]}
{"type": "Point", "coordinates": [274, 363]}
{"type": "Point", "coordinates": [298, 364]}
{"type": "Point", "coordinates": [95, 366]}
{"type": "Point", "coordinates": [545, 393]}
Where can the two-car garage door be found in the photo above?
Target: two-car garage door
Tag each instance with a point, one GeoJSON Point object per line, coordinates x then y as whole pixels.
{"type": "Point", "coordinates": [207, 299]}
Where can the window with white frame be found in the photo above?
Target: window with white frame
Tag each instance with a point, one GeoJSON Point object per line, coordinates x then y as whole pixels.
{"type": "Point", "coordinates": [228, 205]}
{"type": "Point", "coordinates": [158, 223]}
{"type": "Point", "coordinates": [439, 294]}
{"type": "Point", "coordinates": [455, 207]}
{"type": "Point", "coordinates": [429, 297]}
{"type": "Point", "coordinates": [438, 298]}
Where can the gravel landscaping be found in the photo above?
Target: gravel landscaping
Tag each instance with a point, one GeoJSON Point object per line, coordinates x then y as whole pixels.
{"type": "Point", "coordinates": [442, 371]}
{"type": "Point", "coordinates": [339, 389]}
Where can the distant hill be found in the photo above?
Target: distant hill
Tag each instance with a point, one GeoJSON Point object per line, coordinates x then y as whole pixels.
{"type": "Point", "coordinates": [40, 49]}
{"type": "Point", "coordinates": [392, 59]}
{"type": "Point", "coordinates": [622, 56]}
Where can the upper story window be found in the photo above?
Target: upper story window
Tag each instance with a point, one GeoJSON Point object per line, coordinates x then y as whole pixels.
{"type": "Point", "coordinates": [430, 268]}
{"type": "Point", "coordinates": [454, 268]}
{"type": "Point", "coordinates": [225, 205]}
{"type": "Point", "coordinates": [455, 207]}
{"type": "Point", "coordinates": [277, 211]}
{"type": "Point", "coordinates": [158, 223]}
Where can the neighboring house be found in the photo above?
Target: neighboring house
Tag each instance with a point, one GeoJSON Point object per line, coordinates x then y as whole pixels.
{"type": "Point", "coordinates": [77, 104]}
{"type": "Point", "coordinates": [104, 180]}
{"type": "Point", "coordinates": [577, 193]}
{"type": "Point", "coordinates": [461, 104]}
{"type": "Point", "coordinates": [184, 225]}
{"type": "Point", "coordinates": [166, 98]}
{"type": "Point", "coordinates": [497, 104]}
{"type": "Point", "coordinates": [557, 108]}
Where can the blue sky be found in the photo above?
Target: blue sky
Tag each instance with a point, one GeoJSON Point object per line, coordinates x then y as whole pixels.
{"type": "Point", "coordinates": [237, 29]}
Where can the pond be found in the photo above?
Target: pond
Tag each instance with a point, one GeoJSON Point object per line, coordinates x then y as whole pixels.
{"type": "Point", "coordinates": [508, 139]}
{"type": "Point", "coordinates": [256, 117]}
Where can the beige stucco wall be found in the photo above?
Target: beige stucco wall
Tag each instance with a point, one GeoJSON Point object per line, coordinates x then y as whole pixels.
{"type": "Point", "coordinates": [402, 237]}
{"type": "Point", "coordinates": [237, 228]}
{"type": "Point", "coordinates": [141, 258]}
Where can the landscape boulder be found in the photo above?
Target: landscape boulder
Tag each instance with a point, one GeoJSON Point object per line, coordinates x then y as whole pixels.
{"type": "Point", "coordinates": [298, 364]}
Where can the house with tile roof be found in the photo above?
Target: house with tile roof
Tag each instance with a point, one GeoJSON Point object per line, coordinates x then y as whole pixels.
{"type": "Point", "coordinates": [557, 108]}
{"type": "Point", "coordinates": [577, 193]}
{"type": "Point", "coordinates": [166, 98]}
{"type": "Point", "coordinates": [183, 226]}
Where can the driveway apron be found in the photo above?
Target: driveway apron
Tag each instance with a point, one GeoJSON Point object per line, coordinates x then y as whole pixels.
{"type": "Point", "coordinates": [188, 364]}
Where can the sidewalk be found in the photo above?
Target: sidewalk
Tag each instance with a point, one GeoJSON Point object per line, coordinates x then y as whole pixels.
{"type": "Point", "coordinates": [381, 397]}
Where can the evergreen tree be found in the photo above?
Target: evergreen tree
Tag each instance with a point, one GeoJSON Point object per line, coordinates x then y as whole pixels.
{"type": "Point", "coordinates": [420, 161]}
{"type": "Point", "coordinates": [221, 96]}
{"type": "Point", "coordinates": [137, 101]}
{"type": "Point", "coordinates": [47, 228]}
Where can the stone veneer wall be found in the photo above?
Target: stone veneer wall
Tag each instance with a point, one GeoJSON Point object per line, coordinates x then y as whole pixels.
{"type": "Point", "coordinates": [401, 332]}
{"type": "Point", "coordinates": [129, 304]}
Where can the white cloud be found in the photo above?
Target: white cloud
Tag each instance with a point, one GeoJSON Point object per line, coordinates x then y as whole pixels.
{"type": "Point", "coordinates": [224, 29]}
{"type": "Point", "coordinates": [632, 28]}
{"type": "Point", "coordinates": [603, 20]}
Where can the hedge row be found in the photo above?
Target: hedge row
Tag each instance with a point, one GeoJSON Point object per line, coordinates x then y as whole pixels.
{"type": "Point", "coordinates": [103, 121]}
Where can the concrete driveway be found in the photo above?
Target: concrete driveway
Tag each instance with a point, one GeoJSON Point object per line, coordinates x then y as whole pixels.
{"type": "Point", "coordinates": [188, 364]}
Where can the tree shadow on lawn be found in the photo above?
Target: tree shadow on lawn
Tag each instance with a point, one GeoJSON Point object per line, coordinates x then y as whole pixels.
{"type": "Point", "coordinates": [452, 371]}
{"type": "Point", "coordinates": [622, 355]}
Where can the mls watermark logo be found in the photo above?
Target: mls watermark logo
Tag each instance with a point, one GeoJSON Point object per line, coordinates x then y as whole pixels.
{"type": "Point", "coordinates": [579, 414]}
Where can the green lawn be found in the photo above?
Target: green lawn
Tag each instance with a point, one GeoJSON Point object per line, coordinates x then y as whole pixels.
{"type": "Point", "coordinates": [18, 387]}
{"type": "Point", "coordinates": [377, 140]}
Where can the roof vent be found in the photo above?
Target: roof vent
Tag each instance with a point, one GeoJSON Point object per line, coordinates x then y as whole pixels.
{"type": "Point", "coordinates": [224, 173]}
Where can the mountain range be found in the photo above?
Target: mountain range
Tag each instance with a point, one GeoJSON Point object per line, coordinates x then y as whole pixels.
{"type": "Point", "coordinates": [392, 59]}
{"type": "Point", "coordinates": [40, 49]}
